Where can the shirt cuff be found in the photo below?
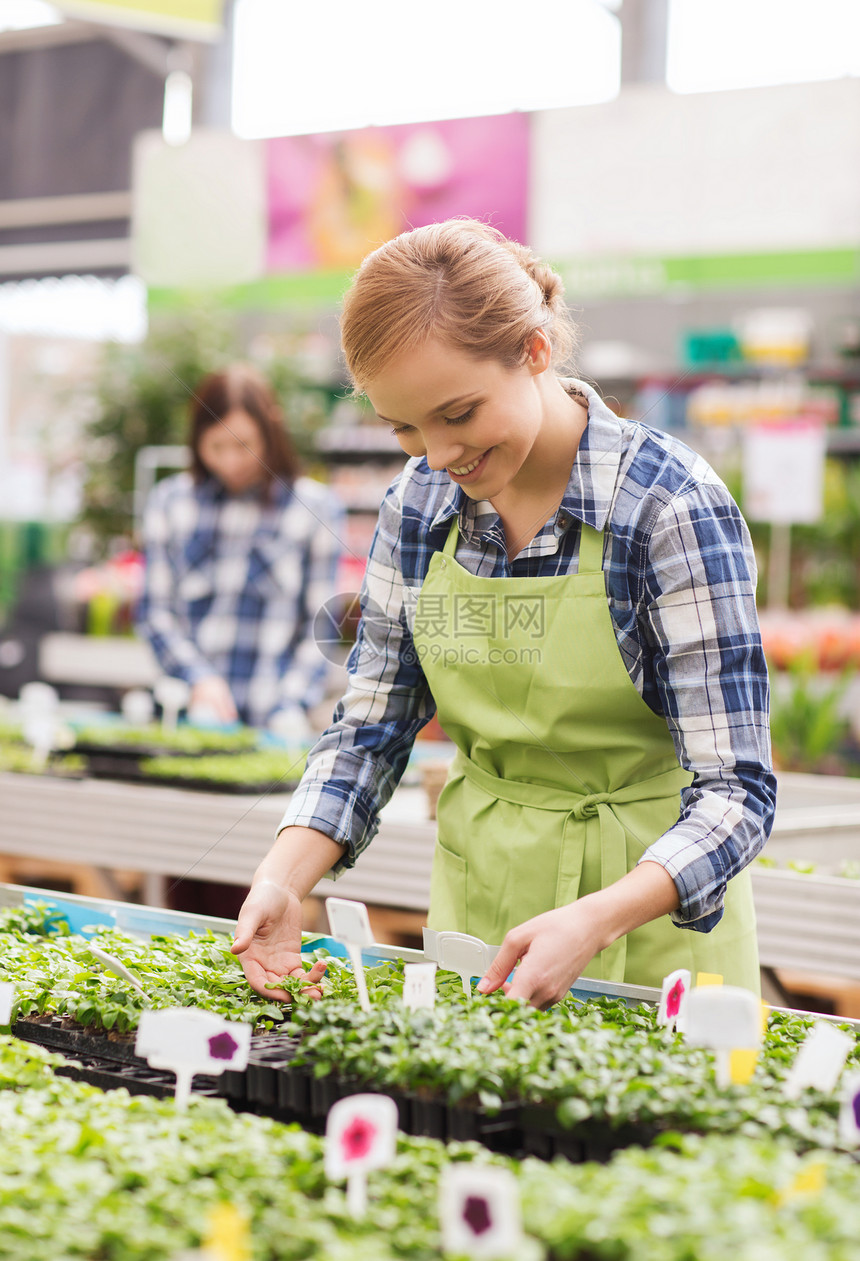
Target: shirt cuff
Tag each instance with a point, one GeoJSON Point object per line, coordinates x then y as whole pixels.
{"type": "Point", "coordinates": [340, 812]}
{"type": "Point", "coordinates": [698, 877]}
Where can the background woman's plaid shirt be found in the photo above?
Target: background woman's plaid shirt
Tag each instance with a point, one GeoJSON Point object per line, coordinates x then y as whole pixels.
{"type": "Point", "coordinates": [232, 587]}
{"type": "Point", "coordinates": [680, 578]}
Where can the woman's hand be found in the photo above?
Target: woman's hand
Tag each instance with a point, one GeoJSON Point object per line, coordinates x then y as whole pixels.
{"type": "Point", "coordinates": [268, 941]}
{"type": "Point", "coordinates": [212, 696]}
{"type": "Point", "coordinates": [552, 950]}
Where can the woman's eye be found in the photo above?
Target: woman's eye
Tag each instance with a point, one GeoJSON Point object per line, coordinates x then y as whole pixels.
{"type": "Point", "coordinates": [402, 429]}
{"type": "Point", "coordinates": [460, 420]}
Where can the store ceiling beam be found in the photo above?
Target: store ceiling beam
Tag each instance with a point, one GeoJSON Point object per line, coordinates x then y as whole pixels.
{"type": "Point", "coordinates": [30, 212]}
{"type": "Point", "coordinates": [55, 258]}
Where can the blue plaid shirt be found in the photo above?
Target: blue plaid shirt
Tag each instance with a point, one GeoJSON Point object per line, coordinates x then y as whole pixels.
{"type": "Point", "coordinates": [680, 578]}
{"type": "Point", "coordinates": [232, 586]}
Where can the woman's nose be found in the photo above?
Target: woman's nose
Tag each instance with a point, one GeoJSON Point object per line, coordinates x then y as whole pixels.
{"type": "Point", "coordinates": [443, 455]}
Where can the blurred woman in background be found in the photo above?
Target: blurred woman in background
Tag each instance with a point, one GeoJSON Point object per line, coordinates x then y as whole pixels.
{"type": "Point", "coordinates": [241, 553]}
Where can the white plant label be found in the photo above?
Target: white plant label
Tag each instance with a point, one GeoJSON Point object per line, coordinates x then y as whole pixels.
{"type": "Point", "coordinates": [724, 1018]}
{"type": "Point", "coordinates": [172, 695]}
{"type": "Point", "coordinates": [186, 1040]}
{"type": "Point", "coordinates": [479, 1208]}
{"type": "Point", "coordinates": [673, 999]}
{"type": "Point", "coordinates": [119, 969]}
{"type": "Point", "coordinates": [465, 955]}
{"type": "Point", "coordinates": [820, 1059]}
{"type": "Point", "coordinates": [349, 923]}
{"type": "Point", "coordinates": [419, 985]}
{"type": "Point", "coordinates": [360, 1135]}
{"type": "Point", "coordinates": [7, 999]}
{"type": "Point", "coordinates": [849, 1111]}
{"type": "Point", "coordinates": [137, 707]}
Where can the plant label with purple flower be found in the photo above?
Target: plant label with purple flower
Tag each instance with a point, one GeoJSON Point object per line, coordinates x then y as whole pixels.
{"type": "Point", "coordinates": [479, 1209]}
{"type": "Point", "coordinates": [186, 1041]}
{"type": "Point", "coordinates": [349, 923]}
{"type": "Point", "coordinates": [673, 997]}
{"type": "Point", "coordinates": [360, 1135]}
{"type": "Point", "coordinates": [820, 1060]}
{"type": "Point", "coordinates": [419, 985]}
{"type": "Point", "coordinates": [724, 1018]}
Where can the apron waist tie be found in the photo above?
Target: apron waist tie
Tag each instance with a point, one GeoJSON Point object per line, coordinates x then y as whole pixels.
{"type": "Point", "coordinates": [588, 809]}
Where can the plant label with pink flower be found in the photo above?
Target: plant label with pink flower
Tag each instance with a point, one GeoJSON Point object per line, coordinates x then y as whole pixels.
{"type": "Point", "coordinates": [673, 997]}
{"type": "Point", "coordinates": [360, 1135]}
{"type": "Point", "coordinates": [479, 1210]}
{"type": "Point", "coordinates": [419, 985]}
{"type": "Point", "coordinates": [186, 1041]}
{"type": "Point", "coordinates": [820, 1060]}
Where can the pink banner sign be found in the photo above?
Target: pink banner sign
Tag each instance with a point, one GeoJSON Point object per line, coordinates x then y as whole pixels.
{"type": "Point", "coordinates": [335, 196]}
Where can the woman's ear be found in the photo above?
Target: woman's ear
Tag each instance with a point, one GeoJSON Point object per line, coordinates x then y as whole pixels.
{"type": "Point", "coordinates": [539, 353]}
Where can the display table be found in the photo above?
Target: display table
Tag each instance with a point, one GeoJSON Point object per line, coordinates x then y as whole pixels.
{"type": "Point", "coordinates": [805, 922]}
{"type": "Point", "coordinates": [168, 833]}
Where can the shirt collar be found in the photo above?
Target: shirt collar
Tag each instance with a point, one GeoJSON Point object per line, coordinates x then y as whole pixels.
{"type": "Point", "coordinates": [591, 487]}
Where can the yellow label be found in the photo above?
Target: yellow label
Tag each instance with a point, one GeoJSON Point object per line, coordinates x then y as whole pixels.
{"type": "Point", "coordinates": [742, 1064]}
{"type": "Point", "coordinates": [811, 1181]}
{"type": "Point", "coordinates": [708, 978]}
{"type": "Point", "coordinates": [227, 1237]}
{"type": "Point", "coordinates": [765, 1012]}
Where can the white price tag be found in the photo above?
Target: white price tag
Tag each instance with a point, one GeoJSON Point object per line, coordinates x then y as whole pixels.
{"type": "Point", "coordinates": [419, 985]}
{"type": "Point", "coordinates": [849, 1112]}
{"type": "Point", "coordinates": [349, 923]}
{"type": "Point", "coordinates": [673, 999]}
{"type": "Point", "coordinates": [7, 999]}
{"type": "Point", "coordinates": [479, 1207]}
{"type": "Point", "coordinates": [820, 1059]}
{"type": "Point", "coordinates": [186, 1040]}
{"type": "Point", "coordinates": [360, 1135]}
{"type": "Point", "coordinates": [465, 955]}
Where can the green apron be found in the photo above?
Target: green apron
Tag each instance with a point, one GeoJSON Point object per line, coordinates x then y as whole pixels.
{"type": "Point", "coordinates": [563, 775]}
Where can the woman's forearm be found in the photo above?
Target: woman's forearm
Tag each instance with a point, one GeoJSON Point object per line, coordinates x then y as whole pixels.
{"type": "Point", "coordinates": [298, 860]}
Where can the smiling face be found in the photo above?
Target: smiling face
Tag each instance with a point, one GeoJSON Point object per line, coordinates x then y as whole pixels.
{"type": "Point", "coordinates": [475, 418]}
{"type": "Point", "coordinates": [234, 451]}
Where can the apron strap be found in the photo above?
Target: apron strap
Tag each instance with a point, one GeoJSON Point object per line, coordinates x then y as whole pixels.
{"type": "Point", "coordinates": [450, 548]}
{"type": "Point", "coordinates": [590, 550]}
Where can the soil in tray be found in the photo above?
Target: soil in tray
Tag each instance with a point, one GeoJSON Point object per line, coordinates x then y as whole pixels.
{"type": "Point", "coordinates": [56, 1034]}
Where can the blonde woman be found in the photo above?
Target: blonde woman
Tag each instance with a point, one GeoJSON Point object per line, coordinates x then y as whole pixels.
{"type": "Point", "coordinates": [574, 593]}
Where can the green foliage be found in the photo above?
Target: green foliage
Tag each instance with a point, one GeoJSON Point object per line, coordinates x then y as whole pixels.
{"type": "Point", "coordinates": [181, 739]}
{"type": "Point", "coordinates": [263, 767]}
{"type": "Point", "coordinates": [141, 398]}
{"type": "Point", "coordinates": [86, 1174]}
{"type": "Point", "coordinates": [806, 725]}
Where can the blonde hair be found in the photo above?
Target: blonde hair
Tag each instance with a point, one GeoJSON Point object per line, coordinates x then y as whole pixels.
{"type": "Point", "coordinates": [461, 281]}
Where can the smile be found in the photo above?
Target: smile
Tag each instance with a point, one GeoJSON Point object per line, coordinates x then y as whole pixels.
{"type": "Point", "coordinates": [463, 471]}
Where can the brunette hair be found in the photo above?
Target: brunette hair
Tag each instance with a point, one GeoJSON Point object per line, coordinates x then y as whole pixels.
{"type": "Point", "coordinates": [462, 281]}
{"type": "Point", "coordinates": [241, 388]}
